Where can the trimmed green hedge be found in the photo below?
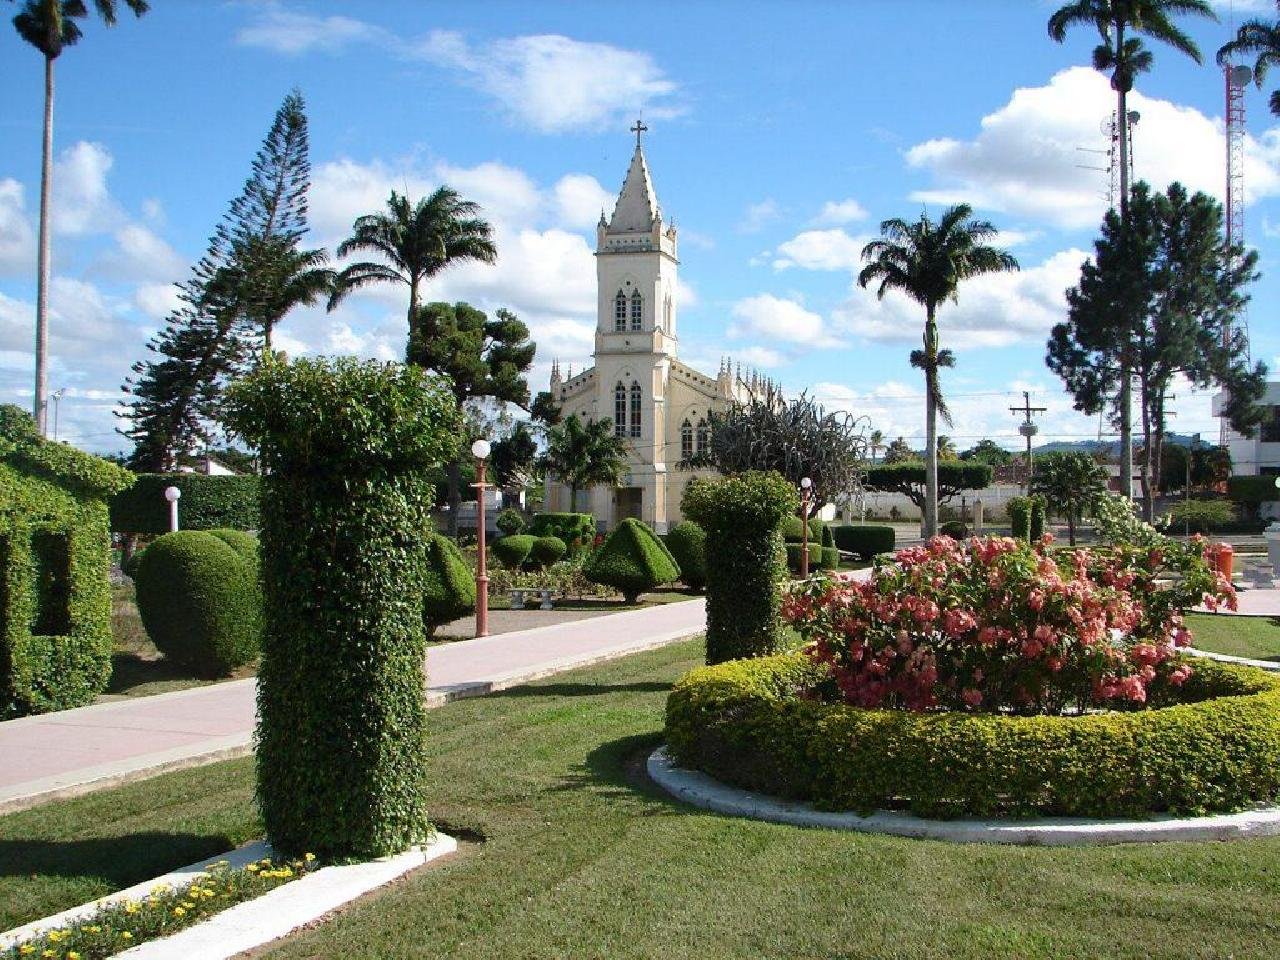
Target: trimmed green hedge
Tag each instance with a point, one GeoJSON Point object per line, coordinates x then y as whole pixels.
{"type": "Point", "coordinates": [688, 544]}
{"type": "Point", "coordinates": [199, 599]}
{"type": "Point", "coordinates": [546, 551]}
{"type": "Point", "coordinates": [796, 550]}
{"type": "Point", "coordinates": [632, 560]}
{"type": "Point", "coordinates": [577, 530]}
{"type": "Point", "coordinates": [514, 551]}
{"type": "Point", "coordinates": [747, 724]}
{"type": "Point", "coordinates": [955, 529]}
{"type": "Point", "coordinates": [865, 540]}
{"type": "Point", "coordinates": [449, 590]}
{"type": "Point", "coordinates": [830, 558]}
{"type": "Point", "coordinates": [207, 503]}
{"type": "Point", "coordinates": [1026, 517]}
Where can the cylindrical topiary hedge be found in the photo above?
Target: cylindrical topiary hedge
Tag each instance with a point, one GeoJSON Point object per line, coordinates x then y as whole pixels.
{"type": "Point", "coordinates": [341, 747]}
{"type": "Point", "coordinates": [864, 540]}
{"type": "Point", "coordinates": [200, 602]}
{"type": "Point", "coordinates": [208, 502]}
{"type": "Point", "coordinates": [688, 544]}
{"type": "Point", "coordinates": [449, 590]}
{"type": "Point", "coordinates": [742, 515]}
{"type": "Point", "coordinates": [753, 724]}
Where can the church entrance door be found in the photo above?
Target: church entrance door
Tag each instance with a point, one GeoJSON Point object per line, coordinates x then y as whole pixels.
{"type": "Point", "coordinates": [627, 502]}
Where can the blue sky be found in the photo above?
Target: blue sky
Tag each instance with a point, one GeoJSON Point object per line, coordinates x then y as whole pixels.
{"type": "Point", "coordinates": [780, 134]}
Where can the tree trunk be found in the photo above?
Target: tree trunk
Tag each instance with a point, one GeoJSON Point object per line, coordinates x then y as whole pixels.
{"type": "Point", "coordinates": [41, 408]}
{"type": "Point", "coordinates": [931, 426]}
{"type": "Point", "coordinates": [1148, 494]}
{"type": "Point", "coordinates": [454, 474]}
{"type": "Point", "coordinates": [413, 301]}
{"type": "Point", "coordinates": [1071, 526]}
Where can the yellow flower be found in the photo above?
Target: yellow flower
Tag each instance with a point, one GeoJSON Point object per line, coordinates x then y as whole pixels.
{"type": "Point", "coordinates": [207, 894]}
{"type": "Point", "coordinates": [309, 857]}
{"type": "Point", "coordinates": [187, 904]}
{"type": "Point", "coordinates": [252, 868]}
{"type": "Point", "coordinates": [55, 936]}
{"type": "Point", "coordinates": [73, 955]}
{"type": "Point", "coordinates": [49, 953]}
{"type": "Point", "coordinates": [126, 935]}
{"type": "Point", "coordinates": [130, 907]}
{"type": "Point", "coordinates": [26, 948]}
{"type": "Point", "coordinates": [178, 911]}
{"type": "Point", "coordinates": [94, 928]}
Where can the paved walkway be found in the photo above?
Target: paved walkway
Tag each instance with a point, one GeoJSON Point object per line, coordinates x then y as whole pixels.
{"type": "Point", "coordinates": [1258, 589]}
{"type": "Point", "coordinates": [74, 751]}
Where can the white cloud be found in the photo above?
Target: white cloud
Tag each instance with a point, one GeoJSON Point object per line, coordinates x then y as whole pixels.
{"type": "Point", "coordinates": [759, 215]}
{"type": "Point", "coordinates": [992, 310]}
{"type": "Point", "coordinates": [287, 32]}
{"type": "Point", "coordinates": [81, 201]}
{"type": "Point", "coordinates": [758, 356]}
{"type": "Point", "coordinates": [17, 235]}
{"type": "Point", "coordinates": [579, 200]}
{"type": "Point", "coordinates": [156, 300]}
{"type": "Point", "coordinates": [140, 255]}
{"type": "Point", "coordinates": [1025, 159]}
{"type": "Point", "coordinates": [841, 211]}
{"type": "Point", "coordinates": [821, 250]}
{"type": "Point", "coordinates": [686, 295]}
{"type": "Point", "coordinates": [776, 319]}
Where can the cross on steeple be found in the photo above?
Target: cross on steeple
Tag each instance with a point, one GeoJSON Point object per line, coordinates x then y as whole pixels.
{"type": "Point", "coordinates": [638, 129]}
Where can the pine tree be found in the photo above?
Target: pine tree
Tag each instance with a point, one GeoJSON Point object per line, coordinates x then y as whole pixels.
{"type": "Point", "coordinates": [251, 274]}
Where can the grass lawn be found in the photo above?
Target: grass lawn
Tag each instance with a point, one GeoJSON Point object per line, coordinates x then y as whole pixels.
{"type": "Point", "coordinates": [1255, 637]}
{"type": "Point", "coordinates": [581, 859]}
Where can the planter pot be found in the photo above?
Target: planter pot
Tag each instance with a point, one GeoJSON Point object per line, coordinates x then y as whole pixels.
{"type": "Point", "coordinates": [517, 599]}
{"type": "Point", "coordinates": [546, 600]}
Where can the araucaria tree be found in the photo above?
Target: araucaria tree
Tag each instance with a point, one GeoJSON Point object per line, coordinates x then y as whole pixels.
{"type": "Point", "coordinates": [1071, 483]}
{"type": "Point", "coordinates": [484, 360]}
{"type": "Point", "coordinates": [584, 455]}
{"type": "Point", "coordinates": [1159, 299]}
{"type": "Point", "coordinates": [50, 26]}
{"type": "Point", "coordinates": [927, 261]}
{"type": "Point", "coordinates": [1121, 25]}
{"type": "Point", "coordinates": [415, 241]}
{"type": "Point", "coordinates": [252, 274]}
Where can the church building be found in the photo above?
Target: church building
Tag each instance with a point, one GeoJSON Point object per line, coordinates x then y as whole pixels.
{"type": "Point", "coordinates": [657, 404]}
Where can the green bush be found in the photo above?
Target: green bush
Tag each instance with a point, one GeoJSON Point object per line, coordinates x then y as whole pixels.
{"type": "Point", "coordinates": [510, 522]}
{"type": "Point", "coordinates": [341, 741]}
{"type": "Point", "coordinates": [688, 544]}
{"type": "Point", "coordinates": [199, 600]}
{"type": "Point", "coordinates": [1026, 517]}
{"type": "Point", "coordinates": [632, 560]}
{"type": "Point", "coordinates": [514, 551]}
{"type": "Point", "coordinates": [955, 529]}
{"type": "Point", "coordinates": [449, 589]}
{"type": "Point", "coordinates": [207, 503]}
{"type": "Point", "coordinates": [742, 516]}
{"type": "Point", "coordinates": [747, 724]}
{"type": "Point", "coordinates": [796, 550]}
{"type": "Point", "coordinates": [793, 529]}
{"type": "Point", "coordinates": [1202, 516]}
{"type": "Point", "coordinates": [55, 556]}
{"type": "Point", "coordinates": [546, 551]}
{"type": "Point", "coordinates": [1037, 518]}
{"type": "Point", "coordinates": [828, 538]}
{"type": "Point", "coordinates": [864, 540]}
{"type": "Point", "coordinates": [245, 544]}
{"type": "Point", "coordinates": [830, 558]}
{"type": "Point", "coordinates": [577, 530]}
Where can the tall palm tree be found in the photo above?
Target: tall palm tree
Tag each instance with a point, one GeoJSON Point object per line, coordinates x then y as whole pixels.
{"type": "Point", "coordinates": [875, 443]}
{"type": "Point", "coordinates": [584, 455]}
{"type": "Point", "coordinates": [50, 26]}
{"type": "Point", "coordinates": [1261, 39]}
{"type": "Point", "coordinates": [417, 240]}
{"type": "Point", "coordinates": [927, 261]}
{"type": "Point", "coordinates": [947, 448]}
{"type": "Point", "coordinates": [1125, 56]}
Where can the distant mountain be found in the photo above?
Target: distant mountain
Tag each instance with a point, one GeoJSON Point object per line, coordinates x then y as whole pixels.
{"type": "Point", "coordinates": [1112, 447]}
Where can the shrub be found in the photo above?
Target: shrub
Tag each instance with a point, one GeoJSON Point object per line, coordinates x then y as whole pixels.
{"type": "Point", "coordinates": [200, 602]}
{"type": "Point", "coordinates": [245, 544]}
{"type": "Point", "coordinates": [510, 522]}
{"type": "Point", "coordinates": [207, 503]}
{"type": "Point", "coordinates": [342, 720]}
{"type": "Point", "coordinates": [748, 724]}
{"type": "Point", "coordinates": [514, 551]}
{"type": "Point", "coordinates": [449, 589]}
{"type": "Point", "coordinates": [688, 544]}
{"type": "Point", "coordinates": [1026, 517]}
{"type": "Point", "coordinates": [632, 560]}
{"type": "Point", "coordinates": [1251, 491]}
{"type": "Point", "coordinates": [955, 529]}
{"type": "Point", "coordinates": [1037, 518]}
{"type": "Point", "coordinates": [796, 550]}
{"type": "Point", "coordinates": [742, 515]}
{"type": "Point", "coordinates": [546, 551]}
{"type": "Point", "coordinates": [1202, 516]}
{"type": "Point", "coordinates": [828, 538]}
{"type": "Point", "coordinates": [577, 530]}
{"type": "Point", "coordinates": [830, 558]}
{"type": "Point", "coordinates": [864, 541]}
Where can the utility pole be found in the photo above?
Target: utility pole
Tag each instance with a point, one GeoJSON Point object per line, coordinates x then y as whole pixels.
{"type": "Point", "coordinates": [1028, 429]}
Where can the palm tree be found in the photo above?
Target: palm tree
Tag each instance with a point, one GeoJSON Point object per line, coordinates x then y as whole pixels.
{"type": "Point", "coordinates": [1071, 484]}
{"type": "Point", "coordinates": [417, 240]}
{"type": "Point", "coordinates": [1124, 57]}
{"type": "Point", "coordinates": [1262, 39]}
{"type": "Point", "coordinates": [947, 448]}
{"type": "Point", "coordinates": [50, 26]}
{"type": "Point", "coordinates": [927, 261]}
{"type": "Point", "coordinates": [875, 443]}
{"type": "Point", "coordinates": [582, 456]}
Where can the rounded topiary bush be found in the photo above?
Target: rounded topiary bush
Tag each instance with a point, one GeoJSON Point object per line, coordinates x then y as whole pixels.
{"type": "Point", "coordinates": [954, 529]}
{"type": "Point", "coordinates": [200, 601]}
{"type": "Point", "coordinates": [864, 540]}
{"type": "Point", "coordinates": [546, 550]}
{"type": "Point", "coordinates": [245, 544]}
{"type": "Point", "coordinates": [449, 588]}
{"type": "Point", "coordinates": [632, 560]}
{"type": "Point", "coordinates": [510, 522]}
{"type": "Point", "coordinates": [796, 550]}
{"type": "Point", "coordinates": [688, 544]}
{"type": "Point", "coordinates": [514, 551]}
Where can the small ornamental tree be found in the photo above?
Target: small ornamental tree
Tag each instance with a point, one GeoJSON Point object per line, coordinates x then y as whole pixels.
{"type": "Point", "coordinates": [908, 478]}
{"type": "Point", "coordinates": [348, 447]}
{"type": "Point", "coordinates": [742, 516]}
{"type": "Point", "coordinates": [1071, 484]}
{"type": "Point", "coordinates": [450, 590]}
{"type": "Point", "coordinates": [632, 560]}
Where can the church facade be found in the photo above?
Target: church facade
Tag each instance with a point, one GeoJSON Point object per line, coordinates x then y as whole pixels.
{"type": "Point", "coordinates": [657, 404]}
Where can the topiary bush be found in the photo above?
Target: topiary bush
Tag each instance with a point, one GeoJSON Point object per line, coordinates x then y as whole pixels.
{"type": "Point", "coordinates": [510, 522]}
{"type": "Point", "coordinates": [1019, 510]}
{"type": "Point", "coordinates": [742, 516]}
{"type": "Point", "coordinates": [864, 540]}
{"type": "Point", "coordinates": [1036, 530]}
{"type": "Point", "coordinates": [349, 448]}
{"type": "Point", "coordinates": [449, 588]}
{"type": "Point", "coordinates": [830, 558]}
{"type": "Point", "coordinates": [632, 560]}
{"type": "Point", "coordinates": [688, 544]}
{"type": "Point", "coordinates": [200, 602]}
{"type": "Point", "coordinates": [514, 551]}
{"type": "Point", "coordinates": [955, 529]}
{"type": "Point", "coordinates": [577, 530]}
{"type": "Point", "coordinates": [245, 544]}
{"type": "Point", "coordinates": [546, 551]}
{"type": "Point", "coordinates": [207, 503]}
{"type": "Point", "coordinates": [796, 550]}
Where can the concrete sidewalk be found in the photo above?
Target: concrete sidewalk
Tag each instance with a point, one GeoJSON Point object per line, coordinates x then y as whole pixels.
{"type": "Point", "coordinates": [75, 751]}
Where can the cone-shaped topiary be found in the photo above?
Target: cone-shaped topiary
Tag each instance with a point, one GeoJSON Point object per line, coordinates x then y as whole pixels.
{"type": "Point", "coordinates": [688, 544]}
{"type": "Point", "coordinates": [632, 560]}
{"type": "Point", "coordinates": [449, 591]}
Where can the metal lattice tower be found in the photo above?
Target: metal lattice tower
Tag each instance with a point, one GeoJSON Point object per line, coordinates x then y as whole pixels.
{"type": "Point", "coordinates": [1235, 78]}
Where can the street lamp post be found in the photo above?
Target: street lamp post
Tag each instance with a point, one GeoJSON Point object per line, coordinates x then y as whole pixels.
{"type": "Point", "coordinates": [480, 450]}
{"type": "Point", "coordinates": [56, 397]}
{"type": "Point", "coordinates": [173, 495]}
{"type": "Point", "coordinates": [806, 485]}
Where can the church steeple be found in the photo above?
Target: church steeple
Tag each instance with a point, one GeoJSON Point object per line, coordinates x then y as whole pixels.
{"type": "Point", "coordinates": [637, 208]}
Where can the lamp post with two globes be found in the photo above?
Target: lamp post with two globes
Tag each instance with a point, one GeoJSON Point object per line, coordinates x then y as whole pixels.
{"type": "Point", "coordinates": [480, 450]}
{"type": "Point", "coordinates": [806, 486]}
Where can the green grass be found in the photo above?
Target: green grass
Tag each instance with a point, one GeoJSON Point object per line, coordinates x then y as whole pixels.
{"type": "Point", "coordinates": [582, 859]}
{"type": "Point", "coordinates": [1255, 637]}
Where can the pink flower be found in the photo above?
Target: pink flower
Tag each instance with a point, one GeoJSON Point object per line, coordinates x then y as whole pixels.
{"type": "Point", "coordinates": [972, 697]}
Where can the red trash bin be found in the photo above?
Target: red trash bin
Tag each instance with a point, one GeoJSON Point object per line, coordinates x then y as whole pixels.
{"type": "Point", "coordinates": [1225, 559]}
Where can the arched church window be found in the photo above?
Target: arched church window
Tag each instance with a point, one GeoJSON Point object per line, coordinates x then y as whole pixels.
{"type": "Point", "coordinates": [620, 312]}
{"type": "Point", "coordinates": [619, 410]}
{"type": "Point", "coordinates": [704, 436]}
{"type": "Point", "coordinates": [666, 314]}
{"type": "Point", "coordinates": [635, 409]}
{"type": "Point", "coordinates": [637, 310]}
{"type": "Point", "coordinates": [686, 440]}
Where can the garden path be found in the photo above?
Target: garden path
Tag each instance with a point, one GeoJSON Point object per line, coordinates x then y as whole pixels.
{"type": "Point", "coordinates": [73, 751]}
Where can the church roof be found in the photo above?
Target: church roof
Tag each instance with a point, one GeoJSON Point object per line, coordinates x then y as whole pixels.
{"type": "Point", "coordinates": [637, 205]}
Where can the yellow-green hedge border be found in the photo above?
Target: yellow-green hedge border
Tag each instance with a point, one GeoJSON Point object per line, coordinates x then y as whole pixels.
{"type": "Point", "coordinates": [744, 723]}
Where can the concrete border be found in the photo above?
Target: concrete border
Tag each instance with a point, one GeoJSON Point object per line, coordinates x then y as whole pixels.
{"type": "Point", "coordinates": [700, 790]}
{"type": "Point", "coordinates": [253, 923]}
{"type": "Point", "coordinates": [1271, 665]}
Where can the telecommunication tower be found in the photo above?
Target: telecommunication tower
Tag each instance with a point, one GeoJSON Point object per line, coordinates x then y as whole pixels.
{"type": "Point", "coordinates": [1235, 78]}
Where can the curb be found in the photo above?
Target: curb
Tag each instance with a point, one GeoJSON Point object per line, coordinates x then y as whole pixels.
{"type": "Point", "coordinates": [1271, 665]}
{"type": "Point", "coordinates": [700, 790]}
